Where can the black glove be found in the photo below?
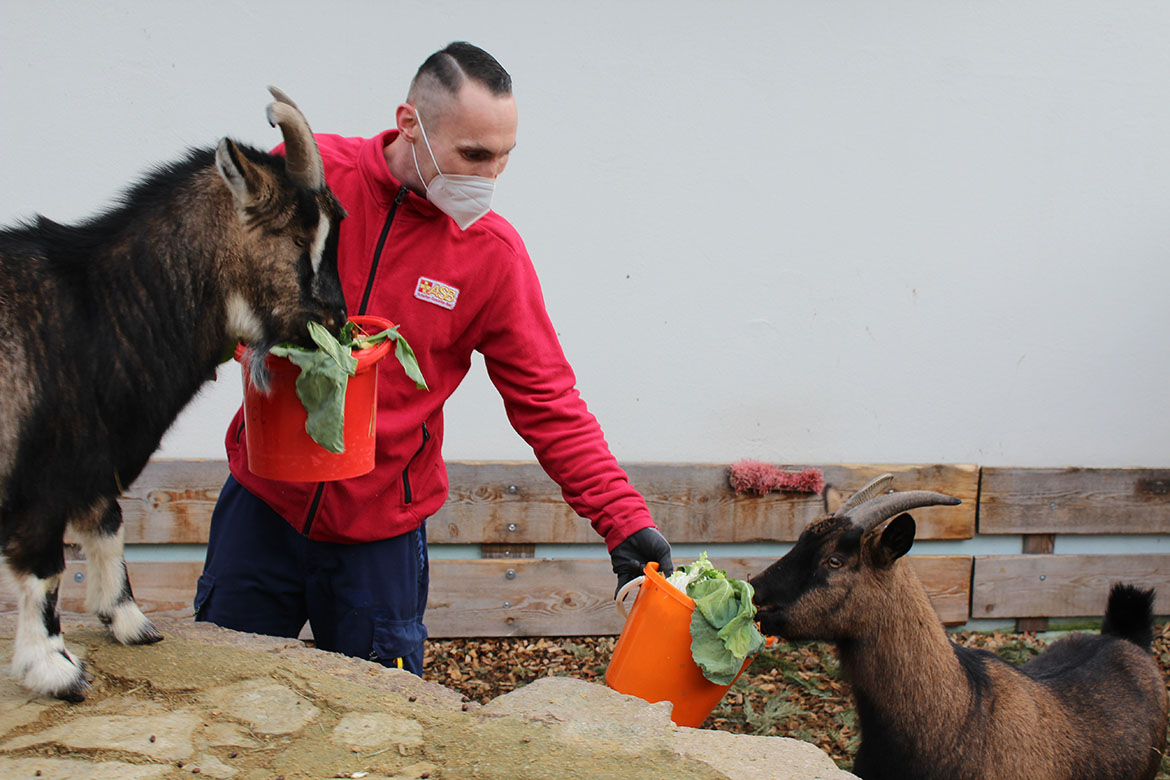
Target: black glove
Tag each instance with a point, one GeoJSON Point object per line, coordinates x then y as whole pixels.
{"type": "Point", "coordinates": [640, 547]}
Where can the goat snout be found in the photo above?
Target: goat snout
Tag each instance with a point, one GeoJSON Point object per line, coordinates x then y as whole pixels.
{"type": "Point", "coordinates": [335, 319]}
{"type": "Point", "coordinates": [772, 621]}
{"type": "Point", "coordinates": [331, 317]}
{"type": "Point", "coordinates": [769, 615]}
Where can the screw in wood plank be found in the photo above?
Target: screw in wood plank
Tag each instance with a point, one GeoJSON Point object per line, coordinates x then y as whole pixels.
{"type": "Point", "coordinates": [513, 489]}
{"type": "Point", "coordinates": [510, 574]}
{"type": "Point", "coordinates": [79, 577]}
{"type": "Point", "coordinates": [511, 527]}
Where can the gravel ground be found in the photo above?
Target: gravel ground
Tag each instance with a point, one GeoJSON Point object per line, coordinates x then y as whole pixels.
{"type": "Point", "coordinates": [792, 690]}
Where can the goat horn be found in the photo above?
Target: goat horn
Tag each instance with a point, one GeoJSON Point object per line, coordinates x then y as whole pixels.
{"type": "Point", "coordinates": [283, 97]}
{"type": "Point", "coordinates": [874, 487]}
{"type": "Point", "coordinates": [877, 510]}
{"type": "Point", "coordinates": [302, 158]}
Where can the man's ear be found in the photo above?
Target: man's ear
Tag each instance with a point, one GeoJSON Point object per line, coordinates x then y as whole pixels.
{"type": "Point", "coordinates": [406, 119]}
{"type": "Point", "coordinates": [895, 540]}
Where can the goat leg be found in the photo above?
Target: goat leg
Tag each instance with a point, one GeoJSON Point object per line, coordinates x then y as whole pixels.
{"type": "Point", "coordinates": [40, 660]}
{"type": "Point", "coordinates": [107, 592]}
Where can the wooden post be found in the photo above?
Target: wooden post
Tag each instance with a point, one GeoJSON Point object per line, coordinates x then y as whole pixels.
{"type": "Point", "coordinates": [1036, 544]}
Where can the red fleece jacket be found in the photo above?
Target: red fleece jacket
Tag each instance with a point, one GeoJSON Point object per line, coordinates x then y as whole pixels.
{"type": "Point", "coordinates": [451, 292]}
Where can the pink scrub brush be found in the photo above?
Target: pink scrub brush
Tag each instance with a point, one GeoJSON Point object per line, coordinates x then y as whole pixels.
{"type": "Point", "coordinates": [753, 476]}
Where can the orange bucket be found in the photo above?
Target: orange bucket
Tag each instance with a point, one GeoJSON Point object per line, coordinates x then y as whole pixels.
{"type": "Point", "coordinates": [652, 659]}
{"type": "Point", "coordinates": [279, 447]}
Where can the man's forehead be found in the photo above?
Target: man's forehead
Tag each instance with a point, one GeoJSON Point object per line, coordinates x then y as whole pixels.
{"type": "Point", "coordinates": [479, 131]}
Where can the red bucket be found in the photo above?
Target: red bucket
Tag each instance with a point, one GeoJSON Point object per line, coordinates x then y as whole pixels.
{"type": "Point", "coordinates": [279, 447]}
{"type": "Point", "coordinates": [652, 658]}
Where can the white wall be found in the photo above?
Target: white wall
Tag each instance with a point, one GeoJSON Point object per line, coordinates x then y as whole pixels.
{"type": "Point", "coordinates": [798, 231]}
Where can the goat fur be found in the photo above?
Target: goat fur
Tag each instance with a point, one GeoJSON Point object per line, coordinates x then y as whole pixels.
{"type": "Point", "coordinates": [1089, 707]}
{"type": "Point", "coordinates": [110, 327]}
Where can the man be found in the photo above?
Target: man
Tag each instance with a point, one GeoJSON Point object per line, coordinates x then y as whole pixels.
{"type": "Point", "coordinates": [420, 247]}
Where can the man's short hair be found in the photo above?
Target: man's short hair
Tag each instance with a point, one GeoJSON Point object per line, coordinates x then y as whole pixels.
{"type": "Point", "coordinates": [447, 69]}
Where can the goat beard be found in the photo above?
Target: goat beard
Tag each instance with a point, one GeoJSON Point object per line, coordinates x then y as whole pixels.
{"type": "Point", "coordinates": [257, 357]}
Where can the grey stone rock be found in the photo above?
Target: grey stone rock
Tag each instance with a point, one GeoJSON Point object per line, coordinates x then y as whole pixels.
{"type": "Point", "coordinates": [76, 769]}
{"type": "Point", "coordinates": [28, 708]}
{"type": "Point", "coordinates": [210, 766]}
{"type": "Point", "coordinates": [372, 730]}
{"type": "Point", "coordinates": [579, 710]}
{"type": "Point", "coordinates": [209, 699]}
{"type": "Point", "coordinates": [267, 706]}
{"type": "Point", "coordinates": [746, 757]}
{"type": "Point", "coordinates": [167, 735]}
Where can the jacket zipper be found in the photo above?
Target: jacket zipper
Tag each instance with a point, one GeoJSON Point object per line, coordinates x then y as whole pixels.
{"type": "Point", "coordinates": [407, 497]}
{"type": "Point", "coordinates": [378, 249]}
{"type": "Point", "coordinates": [362, 310]}
{"type": "Point", "coordinates": [313, 509]}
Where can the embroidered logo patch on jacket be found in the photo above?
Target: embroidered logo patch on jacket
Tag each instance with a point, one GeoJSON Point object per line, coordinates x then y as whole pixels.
{"type": "Point", "coordinates": [436, 292]}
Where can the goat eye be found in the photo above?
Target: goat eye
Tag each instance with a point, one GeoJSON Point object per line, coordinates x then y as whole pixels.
{"type": "Point", "coordinates": [301, 241]}
{"type": "Point", "coordinates": [835, 562]}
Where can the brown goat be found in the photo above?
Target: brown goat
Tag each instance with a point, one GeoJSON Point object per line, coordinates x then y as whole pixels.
{"type": "Point", "coordinates": [110, 327]}
{"type": "Point", "coordinates": [1089, 708]}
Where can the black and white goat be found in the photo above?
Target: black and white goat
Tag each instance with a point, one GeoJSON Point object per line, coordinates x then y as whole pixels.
{"type": "Point", "coordinates": [1090, 707]}
{"type": "Point", "coordinates": [109, 329]}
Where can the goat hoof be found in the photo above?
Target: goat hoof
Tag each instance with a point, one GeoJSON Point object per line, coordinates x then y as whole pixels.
{"type": "Point", "coordinates": [74, 694]}
{"type": "Point", "coordinates": [57, 674]}
{"type": "Point", "coordinates": [149, 636]}
{"type": "Point", "coordinates": [130, 627]}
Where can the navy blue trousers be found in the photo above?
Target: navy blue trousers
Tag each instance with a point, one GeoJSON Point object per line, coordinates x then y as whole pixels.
{"type": "Point", "coordinates": [364, 600]}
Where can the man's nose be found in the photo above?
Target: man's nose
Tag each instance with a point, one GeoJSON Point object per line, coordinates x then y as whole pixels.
{"type": "Point", "coordinates": [492, 169]}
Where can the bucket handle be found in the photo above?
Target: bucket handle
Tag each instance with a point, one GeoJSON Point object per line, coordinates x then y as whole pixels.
{"type": "Point", "coordinates": [620, 598]}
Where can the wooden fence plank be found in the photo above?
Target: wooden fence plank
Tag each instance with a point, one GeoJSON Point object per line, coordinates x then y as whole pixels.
{"type": "Point", "coordinates": [167, 587]}
{"type": "Point", "coordinates": [500, 597]}
{"type": "Point", "coordinates": [1025, 586]}
{"type": "Point", "coordinates": [517, 503]}
{"type": "Point", "coordinates": [171, 502]}
{"type": "Point", "coordinates": [1074, 501]}
{"type": "Point", "coordinates": [947, 580]}
{"type": "Point", "coordinates": [510, 503]}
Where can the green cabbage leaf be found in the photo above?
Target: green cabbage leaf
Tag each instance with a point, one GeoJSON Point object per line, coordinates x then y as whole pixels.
{"type": "Point", "coordinates": [723, 628]}
{"type": "Point", "coordinates": [325, 372]}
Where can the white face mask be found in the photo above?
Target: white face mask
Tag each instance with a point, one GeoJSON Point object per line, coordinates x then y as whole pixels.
{"type": "Point", "coordinates": [463, 198]}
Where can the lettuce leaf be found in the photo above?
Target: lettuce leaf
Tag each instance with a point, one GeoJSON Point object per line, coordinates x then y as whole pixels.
{"type": "Point", "coordinates": [402, 351]}
{"type": "Point", "coordinates": [325, 372]}
{"type": "Point", "coordinates": [321, 387]}
{"type": "Point", "coordinates": [723, 629]}
{"type": "Point", "coordinates": [701, 569]}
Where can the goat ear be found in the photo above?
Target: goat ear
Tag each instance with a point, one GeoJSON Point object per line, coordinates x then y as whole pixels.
{"type": "Point", "coordinates": [236, 172]}
{"type": "Point", "coordinates": [896, 540]}
{"type": "Point", "coordinates": [833, 499]}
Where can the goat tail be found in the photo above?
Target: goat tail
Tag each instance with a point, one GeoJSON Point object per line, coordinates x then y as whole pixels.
{"type": "Point", "coordinates": [1130, 615]}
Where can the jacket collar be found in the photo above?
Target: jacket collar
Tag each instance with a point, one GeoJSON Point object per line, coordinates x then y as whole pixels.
{"type": "Point", "coordinates": [385, 186]}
